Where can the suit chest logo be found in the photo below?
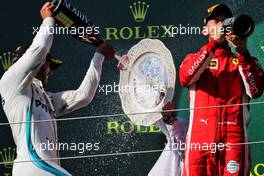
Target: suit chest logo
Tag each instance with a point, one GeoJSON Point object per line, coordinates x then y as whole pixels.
{"type": "Point", "coordinates": [43, 106]}
{"type": "Point", "coordinates": [235, 61]}
{"type": "Point", "coordinates": [213, 64]}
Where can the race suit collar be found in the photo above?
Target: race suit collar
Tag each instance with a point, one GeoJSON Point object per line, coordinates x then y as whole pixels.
{"type": "Point", "coordinates": [223, 50]}
{"type": "Point", "coordinates": [38, 83]}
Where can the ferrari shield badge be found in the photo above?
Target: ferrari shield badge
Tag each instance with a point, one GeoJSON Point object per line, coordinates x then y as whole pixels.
{"type": "Point", "coordinates": [148, 81]}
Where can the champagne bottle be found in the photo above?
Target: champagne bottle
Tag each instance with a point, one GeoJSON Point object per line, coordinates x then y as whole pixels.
{"type": "Point", "coordinates": [68, 16]}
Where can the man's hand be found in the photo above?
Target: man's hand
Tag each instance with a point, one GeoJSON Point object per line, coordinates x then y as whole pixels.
{"type": "Point", "coordinates": [107, 50]}
{"type": "Point", "coordinates": [240, 44]}
{"type": "Point", "coordinates": [46, 10]}
{"type": "Point", "coordinates": [123, 62]}
{"type": "Point", "coordinates": [169, 117]}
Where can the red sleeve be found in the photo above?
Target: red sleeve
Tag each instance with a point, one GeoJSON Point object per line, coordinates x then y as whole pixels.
{"type": "Point", "coordinates": [194, 64]}
{"type": "Point", "coordinates": [252, 75]}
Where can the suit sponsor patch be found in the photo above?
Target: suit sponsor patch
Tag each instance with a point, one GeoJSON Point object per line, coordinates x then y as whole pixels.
{"type": "Point", "coordinates": [213, 64]}
{"type": "Point", "coordinates": [232, 167]}
{"type": "Point", "coordinates": [197, 63]}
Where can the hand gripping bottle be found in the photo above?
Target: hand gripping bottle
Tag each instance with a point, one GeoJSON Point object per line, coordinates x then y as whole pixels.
{"type": "Point", "coordinates": [68, 16]}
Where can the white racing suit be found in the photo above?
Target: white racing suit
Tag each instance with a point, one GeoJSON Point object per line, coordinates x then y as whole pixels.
{"type": "Point", "coordinates": [170, 162]}
{"type": "Point", "coordinates": [24, 99]}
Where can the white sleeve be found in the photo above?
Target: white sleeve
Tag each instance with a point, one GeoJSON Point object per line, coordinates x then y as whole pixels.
{"type": "Point", "coordinates": [21, 74]}
{"type": "Point", "coordinates": [178, 129]}
{"type": "Point", "coordinates": [162, 126]}
{"type": "Point", "coordinates": [170, 162]}
{"type": "Point", "coordinates": [68, 101]}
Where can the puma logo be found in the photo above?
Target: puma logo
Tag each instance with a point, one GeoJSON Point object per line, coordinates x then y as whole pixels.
{"type": "Point", "coordinates": [204, 121]}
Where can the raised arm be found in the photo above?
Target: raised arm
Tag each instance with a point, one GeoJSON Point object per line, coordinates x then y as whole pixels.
{"type": "Point", "coordinates": [194, 64]}
{"type": "Point", "coordinates": [23, 71]}
{"type": "Point", "coordinates": [252, 75]}
{"type": "Point", "coordinates": [250, 70]}
{"type": "Point", "coordinates": [68, 101]}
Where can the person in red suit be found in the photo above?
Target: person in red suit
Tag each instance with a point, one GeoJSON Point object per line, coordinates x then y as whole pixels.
{"type": "Point", "coordinates": [222, 81]}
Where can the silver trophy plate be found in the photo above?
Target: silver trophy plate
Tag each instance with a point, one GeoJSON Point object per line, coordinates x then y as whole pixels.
{"type": "Point", "coordinates": [148, 82]}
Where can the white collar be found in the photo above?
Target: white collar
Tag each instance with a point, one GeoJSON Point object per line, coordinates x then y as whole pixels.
{"type": "Point", "coordinates": [38, 83]}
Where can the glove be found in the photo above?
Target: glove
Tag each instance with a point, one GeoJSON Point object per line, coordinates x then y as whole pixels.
{"type": "Point", "coordinates": [107, 50]}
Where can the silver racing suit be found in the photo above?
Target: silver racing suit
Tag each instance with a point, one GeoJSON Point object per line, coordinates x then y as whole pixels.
{"type": "Point", "coordinates": [25, 100]}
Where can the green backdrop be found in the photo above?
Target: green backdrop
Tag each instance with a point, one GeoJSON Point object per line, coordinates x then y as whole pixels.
{"type": "Point", "coordinates": [17, 20]}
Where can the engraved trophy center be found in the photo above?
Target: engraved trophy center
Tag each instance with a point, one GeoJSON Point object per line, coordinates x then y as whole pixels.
{"type": "Point", "coordinates": [149, 79]}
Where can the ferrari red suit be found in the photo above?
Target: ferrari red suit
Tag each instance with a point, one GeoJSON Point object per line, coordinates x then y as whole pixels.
{"type": "Point", "coordinates": [216, 77]}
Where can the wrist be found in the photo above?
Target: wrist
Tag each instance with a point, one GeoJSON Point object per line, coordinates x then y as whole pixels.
{"type": "Point", "coordinates": [48, 20]}
{"type": "Point", "coordinates": [242, 51]}
{"type": "Point", "coordinates": [243, 57]}
{"type": "Point", "coordinates": [97, 60]}
{"type": "Point", "coordinates": [99, 55]}
{"type": "Point", "coordinates": [170, 120]}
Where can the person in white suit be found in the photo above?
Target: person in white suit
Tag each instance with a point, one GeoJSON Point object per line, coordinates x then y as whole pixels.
{"type": "Point", "coordinates": [25, 100]}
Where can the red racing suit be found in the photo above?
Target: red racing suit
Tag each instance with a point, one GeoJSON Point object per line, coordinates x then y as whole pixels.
{"type": "Point", "coordinates": [217, 78]}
